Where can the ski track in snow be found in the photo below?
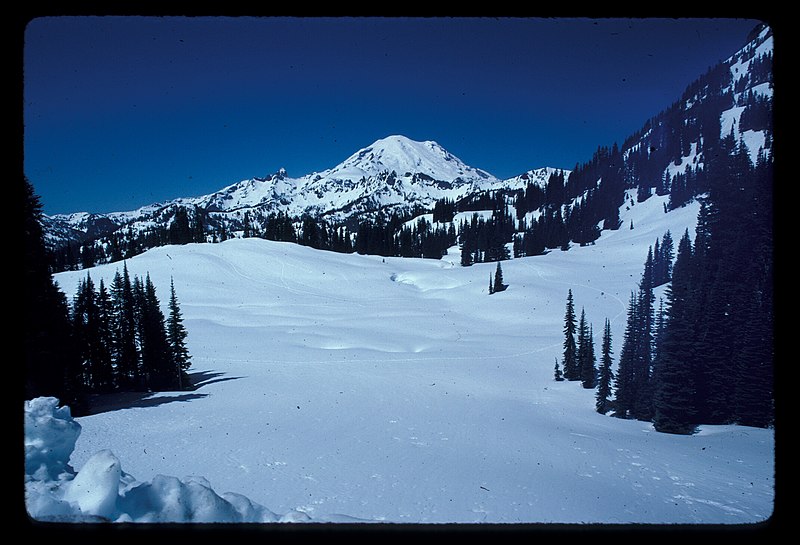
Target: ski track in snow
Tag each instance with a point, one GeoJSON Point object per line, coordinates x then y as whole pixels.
{"type": "Point", "coordinates": [623, 307]}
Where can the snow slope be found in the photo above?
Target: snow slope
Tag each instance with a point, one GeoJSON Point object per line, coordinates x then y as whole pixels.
{"type": "Point", "coordinates": [398, 390]}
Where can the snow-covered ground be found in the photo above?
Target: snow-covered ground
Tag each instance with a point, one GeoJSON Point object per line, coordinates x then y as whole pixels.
{"type": "Point", "coordinates": [349, 387]}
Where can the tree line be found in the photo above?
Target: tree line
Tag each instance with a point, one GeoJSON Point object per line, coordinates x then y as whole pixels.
{"type": "Point", "coordinates": [123, 340]}
{"type": "Point", "coordinates": [109, 339]}
{"type": "Point", "coordinates": [705, 354]}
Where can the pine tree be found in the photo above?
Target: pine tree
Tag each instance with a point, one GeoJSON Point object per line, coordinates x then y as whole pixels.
{"type": "Point", "coordinates": [499, 285]}
{"type": "Point", "coordinates": [570, 362]}
{"type": "Point", "coordinates": [105, 375]}
{"type": "Point", "coordinates": [624, 384]}
{"type": "Point", "coordinates": [586, 363]}
{"type": "Point", "coordinates": [51, 361]}
{"type": "Point", "coordinates": [589, 379]}
{"type": "Point", "coordinates": [643, 344]}
{"type": "Point", "coordinates": [90, 323]}
{"type": "Point", "coordinates": [674, 398]}
{"type": "Point", "coordinates": [606, 375]}
{"type": "Point", "coordinates": [667, 256]}
{"type": "Point", "coordinates": [159, 369]}
{"type": "Point", "coordinates": [557, 374]}
{"type": "Point", "coordinates": [124, 327]}
{"type": "Point", "coordinates": [176, 336]}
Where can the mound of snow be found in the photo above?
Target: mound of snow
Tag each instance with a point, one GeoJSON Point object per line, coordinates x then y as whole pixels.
{"type": "Point", "coordinates": [102, 492]}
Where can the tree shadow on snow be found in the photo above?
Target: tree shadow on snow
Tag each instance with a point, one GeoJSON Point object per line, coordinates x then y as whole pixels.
{"type": "Point", "coordinates": [204, 378]}
{"type": "Point", "coordinates": [128, 400]}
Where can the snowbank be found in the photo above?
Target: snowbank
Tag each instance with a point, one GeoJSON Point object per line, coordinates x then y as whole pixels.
{"type": "Point", "coordinates": [101, 491]}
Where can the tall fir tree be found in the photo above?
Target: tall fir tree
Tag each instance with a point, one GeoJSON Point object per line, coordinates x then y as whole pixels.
{"type": "Point", "coordinates": [558, 376]}
{"type": "Point", "coordinates": [624, 384]}
{"type": "Point", "coordinates": [643, 395]}
{"type": "Point", "coordinates": [105, 374]}
{"type": "Point", "coordinates": [51, 360]}
{"type": "Point", "coordinates": [124, 327]}
{"type": "Point", "coordinates": [160, 371]}
{"type": "Point", "coordinates": [570, 360]}
{"type": "Point", "coordinates": [176, 336]}
{"type": "Point", "coordinates": [606, 375]}
{"type": "Point", "coordinates": [499, 283]}
{"type": "Point", "coordinates": [89, 324]}
{"type": "Point", "coordinates": [589, 379]}
{"type": "Point", "coordinates": [674, 398]}
{"type": "Point", "coordinates": [586, 358]}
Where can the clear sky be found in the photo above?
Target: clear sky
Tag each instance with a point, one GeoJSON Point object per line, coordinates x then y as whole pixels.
{"type": "Point", "coordinates": [120, 112]}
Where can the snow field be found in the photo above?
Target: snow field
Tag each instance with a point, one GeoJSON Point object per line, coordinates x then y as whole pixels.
{"type": "Point", "coordinates": [398, 390]}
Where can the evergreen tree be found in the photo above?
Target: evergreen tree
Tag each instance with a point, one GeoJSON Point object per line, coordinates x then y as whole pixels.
{"type": "Point", "coordinates": [583, 355]}
{"type": "Point", "coordinates": [499, 284]}
{"type": "Point", "coordinates": [90, 326]}
{"type": "Point", "coordinates": [606, 375]}
{"type": "Point", "coordinates": [624, 384]}
{"type": "Point", "coordinates": [105, 374]}
{"type": "Point", "coordinates": [51, 361]}
{"type": "Point", "coordinates": [643, 343]}
{"type": "Point", "coordinates": [124, 327]}
{"type": "Point", "coordinates": [667, 256]}
{"type": "Point", "coordinates": [159, 368]}
{"type": "Point", "coordinates": [589, 369]}
{"type": "Point", "coordinates": [570, 362]}
{"type": "Point", "coordinates": [558, 375]}
{"type": "Point", "coordinates": [176, 336]}
{"type": "Point", "coordinates": [180, 231]}
{"type": "Point", "coordinates": [674, 400]}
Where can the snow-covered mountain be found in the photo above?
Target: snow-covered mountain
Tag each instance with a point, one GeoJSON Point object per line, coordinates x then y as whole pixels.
{"type": "Point", "coordinates": [392, 174]}
{"type": "Point", "coordinates": [398, 175]}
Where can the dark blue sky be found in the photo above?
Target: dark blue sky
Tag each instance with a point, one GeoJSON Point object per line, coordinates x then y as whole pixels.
{"type": "Point", "coordinates": [125, 111]}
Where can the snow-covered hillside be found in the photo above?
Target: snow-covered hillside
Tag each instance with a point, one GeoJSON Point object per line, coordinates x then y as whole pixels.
{"type": "Point", "coordinates": [350, 387]}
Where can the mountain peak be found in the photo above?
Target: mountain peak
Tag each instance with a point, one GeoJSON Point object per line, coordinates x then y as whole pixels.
{"type": "Point", "coordinates": [403, 155]}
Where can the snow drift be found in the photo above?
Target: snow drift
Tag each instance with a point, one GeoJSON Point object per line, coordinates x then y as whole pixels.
{"type": "Point", "coordinates": [103, 492]}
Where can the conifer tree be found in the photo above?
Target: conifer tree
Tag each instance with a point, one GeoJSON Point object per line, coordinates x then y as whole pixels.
{"type": "Point", "coordinates": [50, 357]}
{"type": "Point", "coordinates": [667, 256]}
{"type": "Point", "coordinates": [583, 348]}
{"type": "Point", "coordinates": [643, 344]}
{"type": "Point", "coordinates": [570, 362]}
{"type": "Point", "coordinates": [92, 337]}
{"type": "Point", "coordinates": [499, 284]}
{"type": "Point", "coordinates": [606, 375]}
{"type": "Point", "coordinates": [589, 368]}
{"type": "Point", "coordinates": [176, 336]}
{"type": "Point", "coordinates": [624, 385]}
{"type": "Point", "coordinates": [557, 374]}
{"type": "Point", "coordinates": [104, 373]}
{"type": "Point", "coordinates": [159, 369]}
{"type": "Point", "coordinates": [674, 381]}
{"type": "Point", "coordinates": [123, 327]}
{"type": "Point", "coordinates": [84, 325]}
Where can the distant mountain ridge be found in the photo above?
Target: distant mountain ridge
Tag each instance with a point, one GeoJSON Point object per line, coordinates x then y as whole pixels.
{"type": "Point", "coordinates": [397, 176]}
{"type": "Point", "coordinates": [394, 173]}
